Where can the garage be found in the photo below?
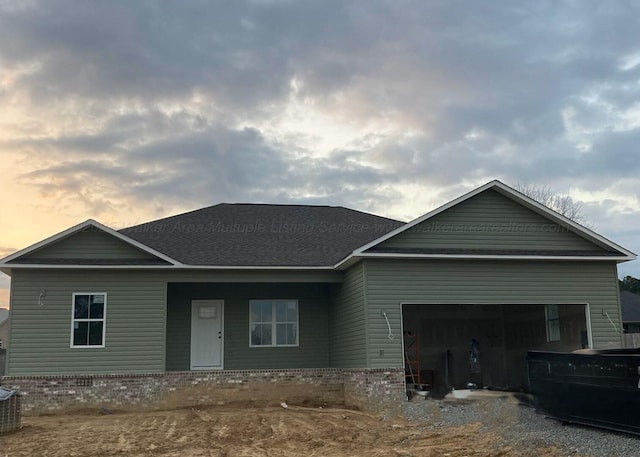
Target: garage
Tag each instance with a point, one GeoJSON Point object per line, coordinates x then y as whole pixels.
{"type": "Point", "coordinates": [453, 345]}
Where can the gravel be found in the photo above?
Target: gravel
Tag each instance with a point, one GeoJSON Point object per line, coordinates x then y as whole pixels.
{"type": "Point", "coordinates": [519, 424]}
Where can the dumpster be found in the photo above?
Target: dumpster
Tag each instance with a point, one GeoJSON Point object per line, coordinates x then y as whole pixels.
{"type": "Point", "coordinates": [10, 411]}
{"type": "Point", "coordinates": [596, 388]}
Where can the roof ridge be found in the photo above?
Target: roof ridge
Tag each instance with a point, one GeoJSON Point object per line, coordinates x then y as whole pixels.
{"type": "Point", "coordinates": [169, 217]}
{"type": "Point", "coordinates": [371, 214]}
{"type": "Point", "coordinates": [297, 205]}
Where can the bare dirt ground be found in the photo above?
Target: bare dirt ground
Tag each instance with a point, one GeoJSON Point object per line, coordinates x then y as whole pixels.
{"type": "Point", "coordinates": [249, 431]}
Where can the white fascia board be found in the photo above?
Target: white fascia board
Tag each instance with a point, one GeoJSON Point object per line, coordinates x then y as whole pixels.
{"type": "Point", "coordinates": [455, 301]}
{"type": "Point", "coordinates": [77, 228]}
{"type": "Point", "coordinates": [491, 257]}
{"type": "Point", "coordinates": [513, 195]}
{"type": "Point", "coordinates": [347, 262]}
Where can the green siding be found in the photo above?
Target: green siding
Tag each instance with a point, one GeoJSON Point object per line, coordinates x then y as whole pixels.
{"type": "Point", "coordinates": [393, 282]}
{"type": "Point", "coordinates": [40, 335]}
{"type": "Point", "coordinates": [90, 243]}
{"type": "Point", "coordinates": [313, 349]}
{"type": "Point", "coordinates": [253, 276]}
{"type": "Point", "coordinates": [489, 220]}
{"type": "Point", "coordinates": [347, 327]}
{"type": "Point", "coordinates": [341, 324]}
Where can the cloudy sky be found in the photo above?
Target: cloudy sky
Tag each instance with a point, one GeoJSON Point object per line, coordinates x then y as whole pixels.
{"type": "Point", "coordinates": [130, 111]}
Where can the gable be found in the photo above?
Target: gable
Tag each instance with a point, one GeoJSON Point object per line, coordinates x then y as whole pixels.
{"type": "Point", "coordinates": [490, 223]}
{"type": "Point", "coordinates": [90, 245]}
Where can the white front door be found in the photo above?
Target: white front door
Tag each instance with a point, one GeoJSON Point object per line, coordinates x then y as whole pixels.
{"type": "Point", "coordinates": [206, 334]}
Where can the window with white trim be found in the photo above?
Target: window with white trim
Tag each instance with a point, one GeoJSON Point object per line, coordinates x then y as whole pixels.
{"type": "Point", "coordinates": [552, 318]}
{"type": "Point", "coordinates": [273, 323]}
{"type": "Point", "coordinates": [88, 319]}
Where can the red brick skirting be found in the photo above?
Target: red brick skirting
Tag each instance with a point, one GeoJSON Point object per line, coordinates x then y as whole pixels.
{"type": "Point", "coordinates": [367, 389]}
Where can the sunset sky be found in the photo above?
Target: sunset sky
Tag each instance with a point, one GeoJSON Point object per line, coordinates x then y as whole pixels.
{"type": "Point", "coordinates": [130, 111]}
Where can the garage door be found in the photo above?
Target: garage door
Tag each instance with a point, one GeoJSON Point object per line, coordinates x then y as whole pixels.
{"type": "Point", "coordinates": [453, 345]}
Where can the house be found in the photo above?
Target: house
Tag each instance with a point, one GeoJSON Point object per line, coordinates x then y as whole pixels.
{"type": "Point", "coordinates": [4, 337]}
{"type": "Point", "coordinates": [306, 303]}
{"type": "Point", "coordinates": [630, 305]}
{"type": "Point", "coordinates": [4, 328]}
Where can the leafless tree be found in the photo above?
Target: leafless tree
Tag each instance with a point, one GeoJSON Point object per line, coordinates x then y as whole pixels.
{"type": "Point", "coordinates": [560, 203]}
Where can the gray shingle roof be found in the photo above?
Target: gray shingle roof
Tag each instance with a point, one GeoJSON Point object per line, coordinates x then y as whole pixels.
{"type": "Point", "coordinates": [630, 304]}
{"type": "Point", "coordinates": [262, 235]}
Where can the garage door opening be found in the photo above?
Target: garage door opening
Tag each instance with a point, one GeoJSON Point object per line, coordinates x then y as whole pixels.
{"type": "Point", "coordinates": [453, 346]}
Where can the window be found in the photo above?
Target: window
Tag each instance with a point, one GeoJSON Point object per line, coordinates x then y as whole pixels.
{"type": "Point", "coordinates": [552, 318]}
{"type": "Point", "coordinates": [88, 319]}
{"type": "Point", "coordinates": [273, 323]}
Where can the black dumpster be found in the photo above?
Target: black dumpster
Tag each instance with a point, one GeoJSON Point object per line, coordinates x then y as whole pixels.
{"type": "Point", "coordinates": [597, 388]}
{"type": "Point", "coordinates": [10, 411]}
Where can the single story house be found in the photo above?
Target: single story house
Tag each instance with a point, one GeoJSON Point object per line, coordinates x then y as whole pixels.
{"type": "Point", "coordinates": [4, 327]}
{"type": "Point", "coordinates": [294, 302]}
{"type": "Point", "coordinates": [630, 304]}
{"type": "Point", "coordinates": [4, 337]}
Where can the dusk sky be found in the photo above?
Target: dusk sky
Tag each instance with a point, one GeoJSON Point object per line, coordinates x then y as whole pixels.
{"type": "Point", "coordinates": [130, 111]}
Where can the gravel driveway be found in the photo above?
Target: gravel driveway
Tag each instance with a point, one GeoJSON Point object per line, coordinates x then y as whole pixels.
{"type": "Point", "coordinates": [518, 422]}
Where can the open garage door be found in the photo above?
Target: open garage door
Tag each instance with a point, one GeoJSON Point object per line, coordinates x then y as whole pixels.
{"type": "Point", "coordinates": [453, 345]}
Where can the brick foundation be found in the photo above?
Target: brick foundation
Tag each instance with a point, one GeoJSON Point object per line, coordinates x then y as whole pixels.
{"type": "Point", "coordinates": [367, 389]}
{"type": "Point", "coordinates": [377, 389]}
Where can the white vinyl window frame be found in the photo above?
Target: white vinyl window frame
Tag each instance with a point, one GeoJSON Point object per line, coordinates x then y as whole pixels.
{"type": "Point", "coordinates": [89, 320]}
{"type": "Point", "coordinates": [274, 323]}
{"type": "Point", "coordinates": [552, 320]}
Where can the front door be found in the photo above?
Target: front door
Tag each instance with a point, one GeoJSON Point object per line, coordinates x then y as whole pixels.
{"type": "Point", "coordinates": [206, 334]}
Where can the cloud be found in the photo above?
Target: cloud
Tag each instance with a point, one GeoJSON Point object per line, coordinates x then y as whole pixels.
{"type": "Point", "coordinates": [388, 107]}
{"type": "Point", "coordinates": [5, 251]}
{"type": "Point", "coordinates": [187, 167]}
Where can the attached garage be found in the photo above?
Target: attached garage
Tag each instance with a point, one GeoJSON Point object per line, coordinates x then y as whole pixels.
{"type": "Point", "coordinates": [475, 284]}
{"type": "Point", "coordinates": [454, 345]}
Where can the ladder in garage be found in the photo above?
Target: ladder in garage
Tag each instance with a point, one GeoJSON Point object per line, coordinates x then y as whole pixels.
{"type": "Point", "coordinates": [411, 358]}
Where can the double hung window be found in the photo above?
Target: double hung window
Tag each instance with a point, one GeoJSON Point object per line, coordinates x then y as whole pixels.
{"type": "Point", "coordinates": [273, 323]}
{"type": "Point", "coordinates": [88, 319]}
{"type": "Point", "coordinates": [552, 318]}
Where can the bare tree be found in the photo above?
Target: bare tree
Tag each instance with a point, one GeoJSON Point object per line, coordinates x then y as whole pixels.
{"type": "Point", "coordinates": [560, 203]}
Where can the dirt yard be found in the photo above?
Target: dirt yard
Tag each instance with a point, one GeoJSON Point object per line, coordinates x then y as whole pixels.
{"type": "Point", "coordinates": [247, 431]}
